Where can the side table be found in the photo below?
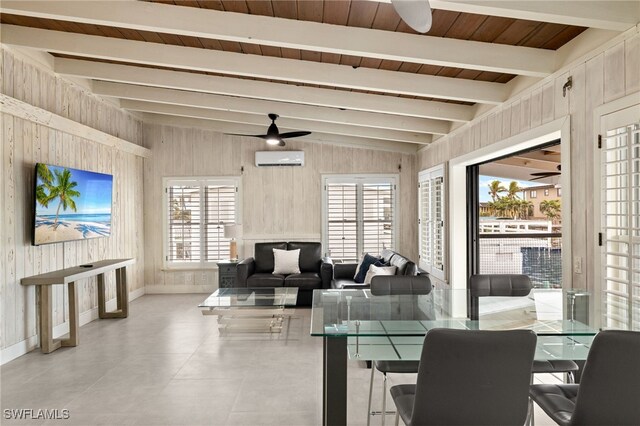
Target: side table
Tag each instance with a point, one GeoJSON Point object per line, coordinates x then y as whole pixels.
{"type": "Point", "coordinates": [227, 273]}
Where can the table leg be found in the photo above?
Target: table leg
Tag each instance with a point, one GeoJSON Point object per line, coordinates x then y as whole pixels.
{"type": "Point", "coordinates": [102, 303]}
{"type": "Point", "coordinates": [334, 398]}
{"type": "Point", "coordinates": [122, 296]}
{"type": "Point", "coordinates": [123, 293]}
{"type": "Point", "coordinates": [45, 301]}
{"type": "Point", "coordinates": [74, 317]}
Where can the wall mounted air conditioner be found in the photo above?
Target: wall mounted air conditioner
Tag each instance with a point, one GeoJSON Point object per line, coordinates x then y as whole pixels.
{"type": "Point", "coordinates": [279, 158]}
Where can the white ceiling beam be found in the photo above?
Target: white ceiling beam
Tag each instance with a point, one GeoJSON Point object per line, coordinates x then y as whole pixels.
{"type": "Point", "coordinates": [285, 124]}
{"type": "Point", "coordinates": [293, 70]}
{"type": "Point", "coordinates": [316, 137]}
{"type": "Point", "coordinates": [262, 107]}
{"type": "Point", "coordinates": [604, 14]}
{"type": "Point", "coordinates": [264, 90]}
{"type": "Point", "coordinates": [294, 34]}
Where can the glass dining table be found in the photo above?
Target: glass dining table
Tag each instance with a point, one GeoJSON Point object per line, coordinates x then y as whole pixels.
{"type": "Point", "coordinates": [356, 325]}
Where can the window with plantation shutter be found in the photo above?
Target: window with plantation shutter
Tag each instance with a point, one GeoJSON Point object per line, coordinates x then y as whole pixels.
{"type": "Point", "coordinates": [197, 209]}
{"type": "Point", "coordinates": [431, 187]}
{"type": "Point", "coordinates": [359, 215]}
{"type": "Point", "coordinates": [620, 219]}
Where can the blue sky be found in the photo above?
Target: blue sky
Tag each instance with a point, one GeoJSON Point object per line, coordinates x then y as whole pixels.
{"type": "Point", "coordinates": [95, 193]}
{"type": "Point", "coordinates": [486, 180]}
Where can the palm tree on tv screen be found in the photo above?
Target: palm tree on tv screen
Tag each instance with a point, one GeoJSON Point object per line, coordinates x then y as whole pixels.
{"type": "Point", "coordinates": [45, 175]}
{"type": "Point", "coordinates": [60, 186]}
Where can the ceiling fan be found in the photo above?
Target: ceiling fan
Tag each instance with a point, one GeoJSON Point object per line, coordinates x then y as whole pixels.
{"type": "Point", "coordinates": [542, 175]}
{"type": "Point", "coordinates": [273, 136]}
{"type": "Point", "coordinates": [415, 13]}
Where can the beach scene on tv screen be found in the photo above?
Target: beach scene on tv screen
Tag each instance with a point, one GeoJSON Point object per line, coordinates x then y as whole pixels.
{"type": "Point", "coordinates": [71, 204]}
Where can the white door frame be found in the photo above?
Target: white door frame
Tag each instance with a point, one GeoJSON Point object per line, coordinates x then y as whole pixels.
{"type": "Point", "coordinates": [557, 129]}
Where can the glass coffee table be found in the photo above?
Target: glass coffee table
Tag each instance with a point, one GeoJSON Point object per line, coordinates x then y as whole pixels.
{"type": "Point", "coordinates": [251, 309]}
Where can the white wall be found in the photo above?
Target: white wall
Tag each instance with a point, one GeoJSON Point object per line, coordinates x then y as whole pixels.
{"type": "Point", "coordinates": [278, 203]}
{"type": "Point", "coordinates": [25, 142]}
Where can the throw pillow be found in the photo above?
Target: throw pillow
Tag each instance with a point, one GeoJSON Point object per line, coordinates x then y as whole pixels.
{"type": "Point", "coordinates": [379, 270]}
{"type": "Point", "coordinates": [286, 261]}
{"type": "Point", "coordinates": [363, 267]}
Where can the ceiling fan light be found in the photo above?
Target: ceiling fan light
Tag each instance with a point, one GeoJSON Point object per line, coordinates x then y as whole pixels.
{"type": "Point", "coordinates": [273, 141]}
{"type": "Point", "coordinates": [415, 13]}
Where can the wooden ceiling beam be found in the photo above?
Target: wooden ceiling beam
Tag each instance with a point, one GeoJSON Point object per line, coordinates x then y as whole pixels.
{"type": "Point", "coordinates": [316, 137]}
{"type": "Point", "coordinates": [294, 34]}
{"type": "Point", "coordinates": [263, 107]}
{"type": "Point", "coordinates": [292, 70]}
{"type": "Point", "coordinates": [264, 90]}
{"type": "Point", "coordinates": [285, 124]}
{"type": "Point", "coordinates": [603, 14]}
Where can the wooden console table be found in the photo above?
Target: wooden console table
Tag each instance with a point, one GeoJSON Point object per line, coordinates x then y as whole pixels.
{"type": "Point", "coordinates": [70, 276]}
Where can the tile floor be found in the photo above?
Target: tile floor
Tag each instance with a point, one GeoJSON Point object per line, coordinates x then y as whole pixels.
{"type": "Point", "coordinates": [167, 365]}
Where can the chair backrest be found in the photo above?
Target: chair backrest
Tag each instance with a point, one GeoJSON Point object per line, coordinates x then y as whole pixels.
{"type": "Point", "coordinates": [401, 305]}
{"type": "Point", "coordinates": [508, 285]}
{"type": "Point", "coordinates": [386, 285]}
{"type": "Point", "coordinates": [474, 377]}
{"type": "Point", "coordinates": [609, 392]}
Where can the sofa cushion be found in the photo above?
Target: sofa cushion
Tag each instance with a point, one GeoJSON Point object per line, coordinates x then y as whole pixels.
{"type": "Point", "coordinates": [404, 265]}
{"type": "Point", "coordinates": [264, 255]}
{"type": "Point", "coordinates": [304, 280]}
{"type": "Point", "coordinates": [310, 255]}
{"type": "Point", "coordinates": [375, 270]}
{"type": "Point", "coordinates": [286, 262]}
{"type": "Point", "coordinates": [363, 268]}
{"type": "Point", "coordinates": [264, 279]}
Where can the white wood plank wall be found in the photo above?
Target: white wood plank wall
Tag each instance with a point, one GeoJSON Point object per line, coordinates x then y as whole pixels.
{"type": "Point", "coordinates": [25, 143]}
{"type": "Point", "coordinates": [278, 203]}
{"type": "Point", "coordinates": [602, 78]}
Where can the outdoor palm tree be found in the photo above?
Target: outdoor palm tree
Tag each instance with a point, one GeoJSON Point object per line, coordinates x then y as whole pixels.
{"type": "Point", "coordinates": [63, 189]}
{"type": "Point", "coordinates": [495, 189]}
{"type": "Point", "coordinates": [551, 209]}
{"type": "Point", "coordinates": [512, 191]}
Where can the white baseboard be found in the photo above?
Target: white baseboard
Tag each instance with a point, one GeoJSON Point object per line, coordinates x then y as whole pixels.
{"type": "Point", "coordinates": [14, 351]}
{"type": "Point", "coordinates": [164, 289]}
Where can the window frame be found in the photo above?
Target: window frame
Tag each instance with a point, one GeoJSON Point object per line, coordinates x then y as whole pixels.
{"type": "Point", "coordinates": [533, 194]}
{"type": "Point", "coordinates": [201, 182]}
{"type": "Point", "coordinates": [359, 178]}
{"type": "Point", "coordinates": [429, 267]}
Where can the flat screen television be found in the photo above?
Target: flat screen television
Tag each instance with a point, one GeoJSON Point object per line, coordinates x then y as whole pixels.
{"type": "Point", "coordinates": [70, 204]}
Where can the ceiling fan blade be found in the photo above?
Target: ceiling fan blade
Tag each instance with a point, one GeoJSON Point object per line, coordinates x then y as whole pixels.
{"type": "Point", "coordinates": [249, 136]}
{"type": "Point", "coordinates": [545, 174]}
{"type": "Point", "coordinates": [294, 134]}
{"type": "Point", "coordinates": [415, 13]}
{"type": "Point", "coordinates": [538, 178]}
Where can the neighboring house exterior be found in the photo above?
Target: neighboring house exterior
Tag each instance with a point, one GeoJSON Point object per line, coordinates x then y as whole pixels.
{"type": "Point", "coordinates": [538, 194]}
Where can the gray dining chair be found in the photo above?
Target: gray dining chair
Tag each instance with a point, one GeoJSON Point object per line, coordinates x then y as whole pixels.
{"type": "Point", "coordinates": [513, 285]}
{"type": "Point", "coordinates": [382, 286]}
{"type": "Point", "coordinates": [609, 389]}
{"type": "Point", "coordinates": [469, 377]}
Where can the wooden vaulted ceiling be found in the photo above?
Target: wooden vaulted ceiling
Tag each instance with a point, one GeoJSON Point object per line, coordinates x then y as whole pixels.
{"type": "Point", "coordinates": [363, 14]}
{"type": "Point", "coordinates": [414, 116]}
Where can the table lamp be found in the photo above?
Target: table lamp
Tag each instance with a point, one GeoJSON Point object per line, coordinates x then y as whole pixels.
{"type": "Point", "coordinates": [233, 231]}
